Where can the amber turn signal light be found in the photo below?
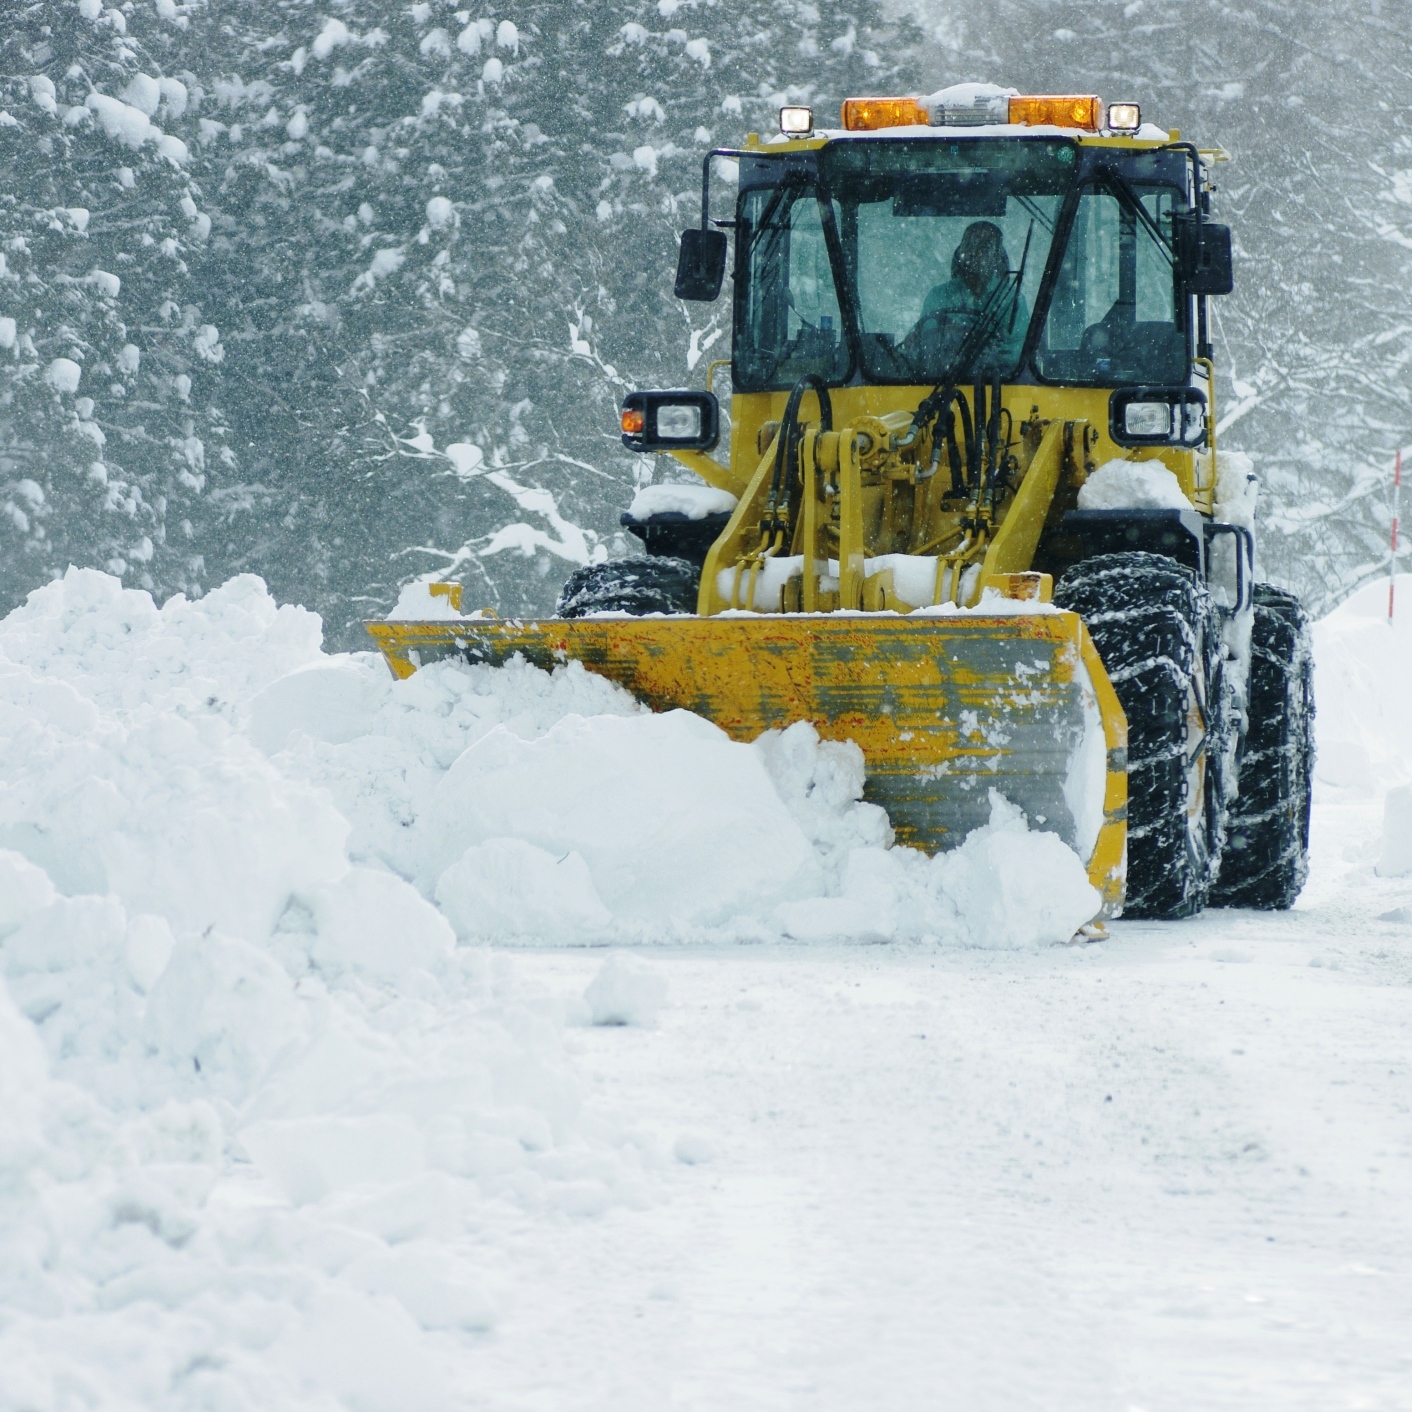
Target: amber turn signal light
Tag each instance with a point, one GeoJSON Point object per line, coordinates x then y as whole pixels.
{"type": "Point", "coordinates": [869, 114]}
{"type": "Point", "coordinates": [634, 421]}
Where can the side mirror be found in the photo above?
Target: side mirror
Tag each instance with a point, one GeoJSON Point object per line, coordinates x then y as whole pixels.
{"type": "Point", "coordinates": [701, 265]}
{"type": "Point", "coordinates": [1204, 257]}
{"type": "Point", "coordinates": [671, 421]}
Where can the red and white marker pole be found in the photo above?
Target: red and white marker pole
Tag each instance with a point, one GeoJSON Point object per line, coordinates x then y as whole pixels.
{"type": "Point", "coordinates": [1396, 507]}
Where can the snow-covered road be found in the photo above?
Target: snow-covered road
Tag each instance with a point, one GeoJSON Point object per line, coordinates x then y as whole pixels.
{"type": "Point", "coordinates": [1168, 1171]}
{"type": "Point", "coordinates": [306, 1101]}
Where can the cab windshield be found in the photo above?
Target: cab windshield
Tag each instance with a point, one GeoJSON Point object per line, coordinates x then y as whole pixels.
{"type": "Point", "coordinates": [925, 261]}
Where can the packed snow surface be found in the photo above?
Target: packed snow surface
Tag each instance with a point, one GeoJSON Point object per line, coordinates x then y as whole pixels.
{"type": "Point", "coordinates": [283, 1123]}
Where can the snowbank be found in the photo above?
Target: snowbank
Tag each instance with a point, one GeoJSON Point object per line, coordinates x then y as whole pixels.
{"type": "Point", "coordinates": [1396, 859]}
{"type": "Point", "coordinates": [256, 1095]}
{"type": "Point", "coordinates": [1362, 687]}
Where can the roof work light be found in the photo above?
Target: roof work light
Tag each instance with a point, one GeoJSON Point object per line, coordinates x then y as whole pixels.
{"type": "Point", "coordinates": [796, 122]}
{"type": "Point", "coordinates": [1124, 117]}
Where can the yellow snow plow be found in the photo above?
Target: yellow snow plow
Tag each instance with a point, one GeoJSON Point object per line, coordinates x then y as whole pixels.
{"type": "Point", "coordinates": [970, 361]}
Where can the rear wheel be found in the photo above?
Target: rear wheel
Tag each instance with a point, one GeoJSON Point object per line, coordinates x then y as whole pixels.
{"type": "Point", "coordinates": [1159, 638]}
{"type": "Point", "coordinates": [1267, 845]}
{"type": "Point", "coordinates": [656, 584]}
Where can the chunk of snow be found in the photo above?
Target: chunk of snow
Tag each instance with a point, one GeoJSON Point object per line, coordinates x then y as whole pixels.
{"type": "Point", "coordinates": [439, 212]}
{"type": "Point", "coordinates": [144, 93]}
{"type": "Point", "coordinates": [174, 95]}
{"type": "Point", "coordinates": [63, 375]}
{"type": "Point", "coordinates": [645, 159]}
{"type": "Point", "coordinates": [973, 103]}
{"type": "Point", "coordinates": [651, 803]}
{"type": "Point", "coordinates": [693, 501]}
{"type": "Point", "coordinates": [7, 331]}
{"type": "Point", "coordinates": [334, 35]}
{"type": "Point", "coordinates": [24, 890]}
{"type": "Point", "coordinates": [416, 603]}
{"type": "Point", "coordinates": [626, 992]}
{"type": "Point", "coordinates": [1132, 485]}
{"type": "Point", "coordinates": [506, 889]}
{"type": "Point", "coordinates": [493, 70]}
{"type": "Point", "coordinates": [507, 36]}
{"type": "Point", "coordinates": [42, 92]}
{"type": "Point", "coordinates": [1015, 888]}
{"type": "Point", "coordinates": [1237, 489]}
{"type": "Point", "coordinates": [1395, 860]}
{"type": "Point", "coordinates": [121, 121]}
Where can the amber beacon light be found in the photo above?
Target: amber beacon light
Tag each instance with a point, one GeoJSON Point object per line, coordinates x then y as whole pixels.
{"type": "Point", "coordinates": [869, 114]}
{"type": "Point", "coordinates": [1061, 110]}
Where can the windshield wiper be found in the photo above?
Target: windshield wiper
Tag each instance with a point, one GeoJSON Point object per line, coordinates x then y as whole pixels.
{"type": "Point", "coordinates": [1123, 190]}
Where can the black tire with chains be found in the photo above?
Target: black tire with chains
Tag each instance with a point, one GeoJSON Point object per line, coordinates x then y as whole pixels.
{"type": "Point", "coordinates": [1159, 637]}
{"type": "Point", "coordinates": [1267, 852]}
{"type": "Point", "coordinates": [655, 584]}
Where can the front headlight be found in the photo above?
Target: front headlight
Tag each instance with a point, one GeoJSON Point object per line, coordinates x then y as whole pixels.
{"type": "Point", "coordinates": [1148, 419]}
{"type": "Point", "coordinates": [1158, 416]}
{"type": "Point", "coordinates": [670, 421]}
{"type": "Point", "coordinates": [678, 422]}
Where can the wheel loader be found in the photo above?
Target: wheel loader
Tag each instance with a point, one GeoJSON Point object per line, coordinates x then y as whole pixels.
{"type": "Point", "coordinates": [957, 320]}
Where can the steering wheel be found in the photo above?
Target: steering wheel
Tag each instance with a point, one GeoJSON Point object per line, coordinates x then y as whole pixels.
{"type": "Point", "coordinates": [934, 337]}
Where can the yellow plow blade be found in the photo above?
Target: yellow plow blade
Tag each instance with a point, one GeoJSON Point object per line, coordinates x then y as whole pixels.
{"type": "Point", "coordinates": [944, 708]}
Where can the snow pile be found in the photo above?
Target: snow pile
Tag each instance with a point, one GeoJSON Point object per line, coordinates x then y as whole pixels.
{"type": "Point", "coordinates": [1132, 485]}
{"type": "Point", "coordinates": [1396, 859]}
{"type": "Point", "coordinates": [1004, 888]}
{"type": "Point", "coordinates": [625, 992]}
{"type": "Point", "coordinates": [693, 501]}
{"type": "Point", "coordinates": [256, 1099]}
{"type": "Point", "coordinates": [1363, 683]}
{"type": "Point", "coordinates": [253, 1099]}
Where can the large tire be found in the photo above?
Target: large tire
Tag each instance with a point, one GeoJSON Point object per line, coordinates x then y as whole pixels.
{"type": "Point", "coordinates": [1160, 640]}
{"type": "Point", "coordinates": [1267, 845]}
{"type": "Point", "coordinates": [656, 584]}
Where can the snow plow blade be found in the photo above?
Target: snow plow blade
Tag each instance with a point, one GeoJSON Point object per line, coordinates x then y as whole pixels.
{"type": "Point", "coordinates": [944, 707]}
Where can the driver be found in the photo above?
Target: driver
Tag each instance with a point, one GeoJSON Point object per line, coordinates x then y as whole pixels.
{"type": "Point", "coordinates": [978, 266]}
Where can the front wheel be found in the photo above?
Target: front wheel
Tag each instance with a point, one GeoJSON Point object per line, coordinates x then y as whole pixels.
{"type": "Point", "coordinates": [1267, 836]}
{"type": "Point", "coordinates": [655, 584]}
{"type": "Point", "coordinates": [1159, 639]}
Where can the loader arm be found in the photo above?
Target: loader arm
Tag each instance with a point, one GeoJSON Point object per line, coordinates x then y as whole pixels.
{"type": "Point", "coordinates": [1013, 547]}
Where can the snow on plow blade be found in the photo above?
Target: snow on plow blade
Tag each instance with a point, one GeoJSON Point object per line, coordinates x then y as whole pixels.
{"type": "Point", "coordinates": [944, 707]}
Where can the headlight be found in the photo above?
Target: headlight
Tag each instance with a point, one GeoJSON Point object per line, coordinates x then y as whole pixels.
{"type": "Point", "coordinates": [1148, 419]}
{"type": "Point", "coordinates": [678, 422]}
{"type": "Point", "coordinates": [670, 421]}
{"type": "Point", "coordinates": [1158, 416]}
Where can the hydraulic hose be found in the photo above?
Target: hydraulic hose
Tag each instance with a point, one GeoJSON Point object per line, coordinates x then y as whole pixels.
{"type": "Point", "coordinates": [782, 487]}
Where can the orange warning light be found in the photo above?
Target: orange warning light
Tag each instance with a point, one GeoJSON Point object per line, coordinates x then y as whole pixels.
{"type": "Point", "coordinates": [1061, 110]}
{"type": "Point", "coordinates": [869, 114]}
{"type": "Point", "coordinates": [634, 421]}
